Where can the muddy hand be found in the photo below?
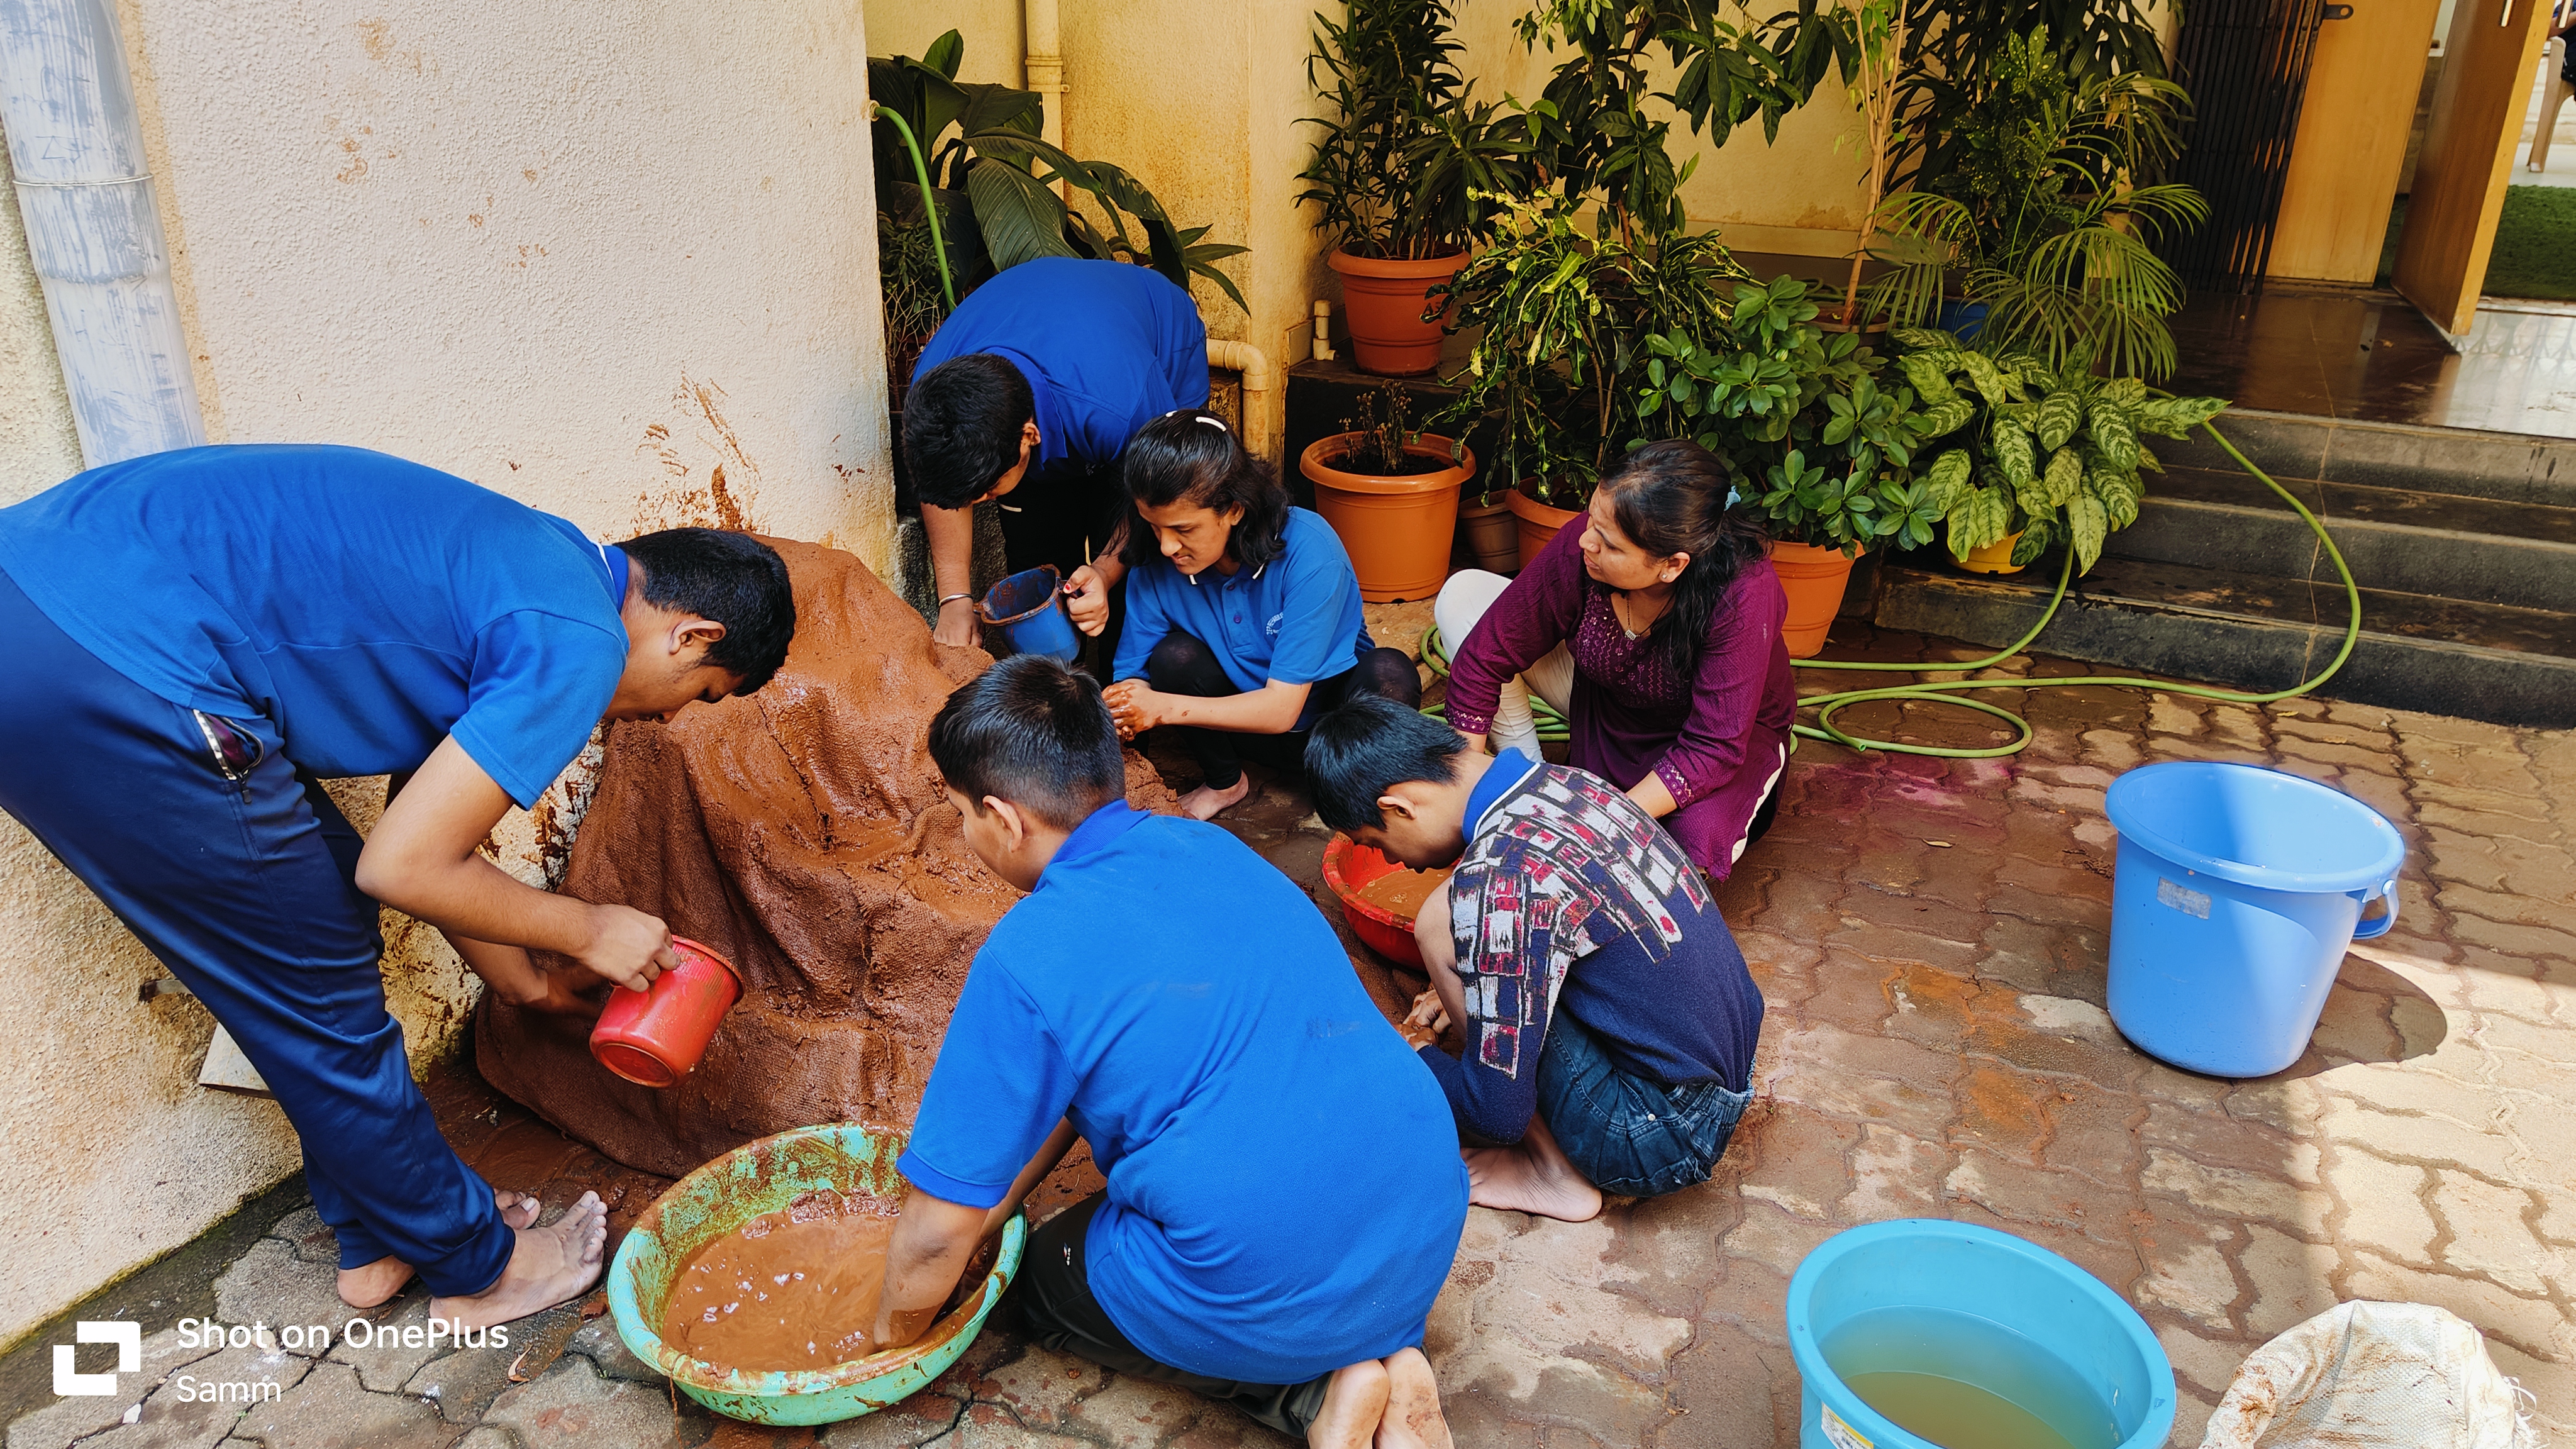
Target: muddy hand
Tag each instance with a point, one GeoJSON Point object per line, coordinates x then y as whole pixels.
{"type": "Point", "coordinates": [627, 947]}
{"type": "Point", "coordinates": [1428, 1013]}
{"type": "Point", "coordinates": [1124, 711]}
{"type": "Point", "coordinates": [1086, 600]}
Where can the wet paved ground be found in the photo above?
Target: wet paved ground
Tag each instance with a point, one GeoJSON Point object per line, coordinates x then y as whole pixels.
{"type": "Point", "coordinates": [1929, 936]}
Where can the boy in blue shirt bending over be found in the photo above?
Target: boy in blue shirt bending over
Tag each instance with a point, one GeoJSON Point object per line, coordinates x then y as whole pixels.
{"type": "Point", "coordinates": [1284, 1191]}
{"type": "Point", "coordinates": [1609, 1020]}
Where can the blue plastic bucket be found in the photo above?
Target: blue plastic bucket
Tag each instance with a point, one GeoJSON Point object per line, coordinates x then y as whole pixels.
{"type": "Point", "coordinates": [1913, 1310]}
{"type": "Point", "coordinates": [1028, 607]}
{"type": "Point", "coordinates": [2237, 892]}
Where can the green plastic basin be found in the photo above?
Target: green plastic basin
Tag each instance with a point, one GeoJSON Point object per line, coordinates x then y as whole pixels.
{"type": "Point", "coordinates": [766, 1176]}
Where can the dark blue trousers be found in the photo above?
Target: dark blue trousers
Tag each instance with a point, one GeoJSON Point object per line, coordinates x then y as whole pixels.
{"type": "Point", "coordinates": [247, 892]}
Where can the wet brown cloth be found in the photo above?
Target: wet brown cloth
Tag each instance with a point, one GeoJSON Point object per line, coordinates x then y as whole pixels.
{"type": "Point", "coordinates": [800, 831]}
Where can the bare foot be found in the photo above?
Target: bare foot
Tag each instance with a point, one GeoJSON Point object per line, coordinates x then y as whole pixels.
{"type": "Point", "coordinates": [1413, 1419]}
{"type": "Point", "coordinates": [1353, 1404]}
{"type": "Point", "coordinates": [1203, 803]}
{"type": "Point", "coordinates": [371, 1284]}
{"type": "Point", "coordinates": [547, 1266]}
{"type": "Point", "coordinates": [1533, 1177]}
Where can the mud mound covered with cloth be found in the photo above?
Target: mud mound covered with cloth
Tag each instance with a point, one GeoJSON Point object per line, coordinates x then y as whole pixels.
{"type": "Point", "coordinates": [801, 832]}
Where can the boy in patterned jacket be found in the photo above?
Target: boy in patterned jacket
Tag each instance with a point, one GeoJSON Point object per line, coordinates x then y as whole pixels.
{"type": "Point", "coordinates": [1608, 1017]}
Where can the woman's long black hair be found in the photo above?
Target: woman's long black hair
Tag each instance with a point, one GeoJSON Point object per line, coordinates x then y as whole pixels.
{"type": "Point", "coordinates": [1190, 455]}
{"type": "Point", "coordinates": [1670, 498]}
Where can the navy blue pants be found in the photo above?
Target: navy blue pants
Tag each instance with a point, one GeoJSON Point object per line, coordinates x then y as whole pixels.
{"type": "Point", "coordinates": [247, 892]}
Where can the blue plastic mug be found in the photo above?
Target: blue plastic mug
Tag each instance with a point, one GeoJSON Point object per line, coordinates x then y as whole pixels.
{"type": "Point", "coordinates": [1028, 609]}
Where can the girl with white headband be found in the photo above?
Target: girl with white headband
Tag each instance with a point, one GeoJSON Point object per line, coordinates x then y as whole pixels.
{"type": "Point", "coordinates": [1243, 614]}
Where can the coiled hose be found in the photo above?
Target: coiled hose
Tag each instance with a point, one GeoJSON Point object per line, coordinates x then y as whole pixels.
{"type": "Point", "coordinates": [1552, 725]}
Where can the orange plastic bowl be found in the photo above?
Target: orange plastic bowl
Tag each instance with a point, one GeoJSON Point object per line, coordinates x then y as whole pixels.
{"type": "Point", "coordinates": [1348, 867]}
{"type": "Point", "coordinates": [655, 1037]}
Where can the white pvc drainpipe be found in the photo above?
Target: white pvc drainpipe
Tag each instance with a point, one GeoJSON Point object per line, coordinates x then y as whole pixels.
{"type": "Point", "coordinates": [1259, 382]}
{"type": "Point", "coordinates": [93, 230]}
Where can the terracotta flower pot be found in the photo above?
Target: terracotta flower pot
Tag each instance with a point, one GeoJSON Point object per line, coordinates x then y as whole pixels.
{"type": "Point", "coordinates": [1538, 521]}
{"type": "Point", "coordinates": [1397, 530]}
{"type": "Point", "coordinates": [1994, 558]}
{"type": "Point", "coordinates": [1813, 579]}
{"type": "Point", "coordinates": [1491, 535]}
{"type": "Point", "coordinates": [1384, 302]}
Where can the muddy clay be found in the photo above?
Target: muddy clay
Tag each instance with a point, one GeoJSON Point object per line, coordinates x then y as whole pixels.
{"type": "Point", "coordinates": [788, 1290]}
{"type": "Point", "coordinates": [1401, 892]}
{"type": "Point", "coordinates": [802, 833]}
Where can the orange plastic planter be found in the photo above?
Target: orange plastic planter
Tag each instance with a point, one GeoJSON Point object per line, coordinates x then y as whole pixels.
{"type": "Point", "coordinates": [1813, 579]}
{"type": "Point", "coordinates": [1396, 530]}
{"type": "Point", "coordinates": [1539, 522]}
{"type": "Point", "coordinates": [1384, 300]}
{"type": "Point", "coordinates": [656, 1036]}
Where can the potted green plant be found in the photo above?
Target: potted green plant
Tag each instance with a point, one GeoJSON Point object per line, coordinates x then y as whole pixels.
{"type": "Point", "coordinates": [1390, 491]}
{"type": "Point", "coordinates": [976, 149]}
{"type": "Point", "coordinates": [2048, 455]}
{"type": "Point", "coordinates": [1559, 361]}
{"type": "Point", "coordinates": [1824, 447]}
{"type": "Point", "coordinates": [2039, 231]}
{"type": "Point", "coordinates": [1398, 171]}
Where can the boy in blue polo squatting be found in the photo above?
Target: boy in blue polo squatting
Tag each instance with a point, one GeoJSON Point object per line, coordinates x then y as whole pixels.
{"type": "Point", "coordinates": [1026, 394]}
{"type": "Point", "coordinates": [1284, 1193]}
{"type": "Point", "coordinates": [207, 634]}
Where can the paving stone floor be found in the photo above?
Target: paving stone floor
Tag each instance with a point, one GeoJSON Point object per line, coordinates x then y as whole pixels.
{"type": "Point", "coordinates": [1929, 935]}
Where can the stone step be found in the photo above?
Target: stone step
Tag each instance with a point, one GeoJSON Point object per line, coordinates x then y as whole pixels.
{"type": "Point", "coordinates": [2505, 467]}
{"type": "Point", "coordinates": [2259, 633]}
{"type": "Point", "coordinates": [2402, 540]}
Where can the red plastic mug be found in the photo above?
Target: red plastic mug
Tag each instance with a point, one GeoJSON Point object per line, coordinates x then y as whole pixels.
{"type": "Point", "coordinates": [654, 1037]}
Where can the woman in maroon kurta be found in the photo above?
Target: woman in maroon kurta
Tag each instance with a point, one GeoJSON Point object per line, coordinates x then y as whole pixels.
{"type": "Point", "coordinates": [1680, 692]}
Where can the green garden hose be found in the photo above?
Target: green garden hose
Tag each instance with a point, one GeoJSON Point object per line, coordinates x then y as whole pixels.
{"type": "Point", "coordinates": [929, 202]}
{"type": "Point", "coordinates": [1552, 725]}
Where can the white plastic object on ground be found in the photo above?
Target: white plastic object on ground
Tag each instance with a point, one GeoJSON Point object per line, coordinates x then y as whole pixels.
{"type": "Point", "coordinates": [2367, 1375]}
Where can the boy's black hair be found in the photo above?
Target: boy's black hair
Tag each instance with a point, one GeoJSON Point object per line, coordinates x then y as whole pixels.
{"type": "Point", "coordinates": [732, 578]}
{"type": "Point", "coordinates": [961, 427]}
{"type": "Point", "coordinates": [1357, 751]}
{"type": "Point", "coordinates": [1034, 732]}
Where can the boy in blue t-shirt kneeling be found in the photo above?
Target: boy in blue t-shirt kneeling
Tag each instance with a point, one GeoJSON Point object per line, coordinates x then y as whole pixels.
{"type": "Point", "coordinates": [1284, 1192]}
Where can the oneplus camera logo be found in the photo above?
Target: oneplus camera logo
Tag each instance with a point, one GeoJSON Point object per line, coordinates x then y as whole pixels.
{"type": "Point", "coordinates": [128, 1338]}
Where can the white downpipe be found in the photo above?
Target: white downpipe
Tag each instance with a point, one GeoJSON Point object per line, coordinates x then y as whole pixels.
{"type": "Point", "coordinates": [1260, 381]}
{"type": "Point", "coordinates": [93, 230]}
{"type": "Point", "coordinates": [1043, 60]}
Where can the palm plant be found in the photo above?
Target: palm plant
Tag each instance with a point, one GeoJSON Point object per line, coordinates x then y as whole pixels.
{"type": "Point", "coordinates": [2042, 219]}
{"type": "Point", "coordinates": [1406, 152]}
{"type": "Point", "coordinates": [994, 180]}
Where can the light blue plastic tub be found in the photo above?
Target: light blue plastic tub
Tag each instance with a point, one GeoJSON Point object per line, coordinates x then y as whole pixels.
{"type": "Point", "coordinates": [761, 1177]}
{"type": "Point", "coordinates": [1028, 609]}
{"type": "Point", "coordinates": [1956, 1301]}
{"type": "Point", "coordinates": [2237, 892]}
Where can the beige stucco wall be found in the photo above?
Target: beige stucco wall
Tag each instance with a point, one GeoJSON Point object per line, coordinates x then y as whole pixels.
{"type": "Point", "coordinates": [617, 261]}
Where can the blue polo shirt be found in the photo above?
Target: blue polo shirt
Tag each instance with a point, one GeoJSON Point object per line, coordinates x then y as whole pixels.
{"type": "Point", "coordinates": [1106, 347]}
{"type": "Point", "coordinates": [1285, 1193]}
{"type": "Point", "coordinates": [1295, 619]}
{"type": "Point", "coordinates": [368, 607]}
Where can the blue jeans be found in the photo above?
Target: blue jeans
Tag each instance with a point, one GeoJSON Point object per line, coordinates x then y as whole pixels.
{"type": "Point", "coordinates": [1629, 1135]}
